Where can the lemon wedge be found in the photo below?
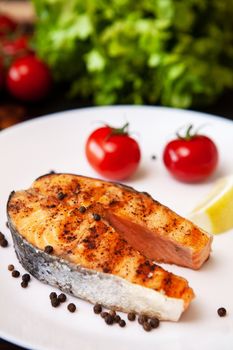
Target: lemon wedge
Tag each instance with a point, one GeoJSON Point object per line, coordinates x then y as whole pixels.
{"type": "Point", "coordinates": [215, 213]}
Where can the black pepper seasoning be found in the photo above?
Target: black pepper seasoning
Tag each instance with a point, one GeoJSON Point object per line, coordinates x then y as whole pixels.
{"type": "Point", "coordinates": [154, 322]}
{"type": "Point", "coordinates": [48, 249]}
{"type": "Point", "coordinates": [109, 319]}
{"type": "Point", "coordinates": [11, 267]}
{"type": "Point", "coordinates": [62, 297]}
{"type": "Point", "coordinates": [53, 295]}
{"type": "Point", "coordinates": [24, 284]}
{"type": "Point", "coordinates": [146, 326]}
{"type": "Point", "coordinates": [82, 209]}
{"type": "Point", "coordinates": [3, 243]}
{"type": "Point", "coordinates": [122, 323]}
{"type": "Point", "coordinates": [131, 316]}
{"type": "Point", "coordinates": [142, 319]}
{"type": "Point", "coordinates": [222, 311]}
{"type": "Point", "coordinates": [153, 157]}
{"type": "Point", "coordinates": [97, 308]}
{"type": "Point", "coordinates": [96, 217]}
{"type": "Point", "coordinates": [26, 277]}
{"type": "Point", "coordinates": [61, 195]}
{"type": "Point", "coordinates": [15, 274]}
{"type": "Point", "coordinates": [71, 307]}
{"type": "Point", "coordinates": [104, 314]}
{"type": "Point", "coordinates": [112, 313]}
{"type": "Point", "coordinates": [55, 302]}
{"type": "Point", "coordinates": [117, 318]}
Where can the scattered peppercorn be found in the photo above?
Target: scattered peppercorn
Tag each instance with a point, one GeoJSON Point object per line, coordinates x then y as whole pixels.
{"type": "Point", "coordinates": [97, 308]}
{"type": "Point", "coordinates": [222, 311]}
{"type": "Point", "coordinates": [131, 316]}
{"type": "Point", "coordinates": [96, 217]}
{"type": "Point", "coordinates": [24, 284]}
{"type": "Point", "coordinates": [26, 277]}
{"type": "Point", "coordinates": [62, 297]}
{"type": "Point", "coordinates": [55, 302]}
{"type": "Point", "coordinates": [104, 314]}
{"type": "Point", "coordinates": [53, 295]}
{"type": "Point", "coordinates": [71, 307]}
{"type": "Point", "coordinates": [117, 318]}
{"type": "Point", "coordinates": [15, 274]}
{"type": "Point", "coordinates": [122, 323]}
{"type": "Point", "coordinates": [109, 319]}
{"type": "Point", "coordinates": [142, 319]}
{"type": "Point", "coordinates": [154, 322]}
{"type": "Point", "coordinates": [48, 249]}
{"type": "Point", "coordinates": [146, 326]}
{"type": "Point", "coordinates": [11, 267]}
{"type": "Point", "coordinates": [153, 157]}
{"type": "Point", "coordinates": [112, 313]}
{"type": "Point", "coordinates": [3, 243]}
{"type": "Point", "coordinates": [52, 172]}
{"type": "Point", "coordinates": [61, 195]}
{"type": "Point", "coordinates": [82, 209]}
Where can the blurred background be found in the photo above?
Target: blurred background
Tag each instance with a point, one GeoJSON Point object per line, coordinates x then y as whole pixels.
{"type": "Point", "coordinates": [57, 55]}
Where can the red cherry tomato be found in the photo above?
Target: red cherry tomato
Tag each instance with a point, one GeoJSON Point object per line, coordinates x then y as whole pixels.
{"type": "Point", "coordinates": [15, 47]}
{"type": "Point", "coordinates": [29, 78]}
{"type": "Point", "coordinates": [112, 152]}
{"type": "Point", "coordinates": [7, 25]}
{"type": "Point", "coordinates": [191, 158]}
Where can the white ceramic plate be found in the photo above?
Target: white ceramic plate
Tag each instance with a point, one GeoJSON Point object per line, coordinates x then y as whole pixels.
{"type": "Point", "coordinates": [56, 142]}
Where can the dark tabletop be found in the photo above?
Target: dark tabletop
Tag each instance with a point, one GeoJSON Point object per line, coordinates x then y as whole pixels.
{"type": "Point", "coordinates": [11, 112]}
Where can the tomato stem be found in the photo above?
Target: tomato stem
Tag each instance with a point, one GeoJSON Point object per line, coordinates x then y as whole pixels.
{"type": "Point", "coordinates": [188, 134]}
{"type": "Point", "coordinates": [120, 131]}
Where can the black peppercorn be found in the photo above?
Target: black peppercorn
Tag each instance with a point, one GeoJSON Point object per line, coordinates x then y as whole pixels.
{"type": "Point", "coordinates": [53, 295]}
{"type": "Point", "coordinates": [109, 319]}
{"type": "Point", "coordinates": [48, 249]}
{"type": "Point", "coordinates": [96, 217]}
{"type": "Point", "coordinates": [71, 307]}
{"type": "Point", "coordinates": [117, 319]}
{"type": "Point", "coordinates": [131, 316]}
{"type": "Point", "coordinates": [62, 297]}
{"type": "Point", "coordinates": [61, 195]}
{"type": "Point", "coordinates": [11, 267]}
{"type": "Point", "coordinates": [55, 302]}
{"type": "Point", "coordinates": [24, 284]}
{"type": "Point", "coordinates": [122, 323]}
{"type": "Point", "coordinates": [146, 326]}
{"type": "Point", "coordinates": [82, 209]}
{"type": "Point", "coordinates": [222, 311]}
{"type": "Point", "coordinates": [3, 243]}
{"type": "Point", "coordinates": [154, 322]}
{"type": "Point", "coordinates": [142, 319]}
{"type": "Point", "coordinates": [104, 314]}
{"type": "Point", "coordinates": [26, 277]}
{"type": "Point", "coordinates": [97, 308]}
{"type": "Point", "coordinates": [15, 274]}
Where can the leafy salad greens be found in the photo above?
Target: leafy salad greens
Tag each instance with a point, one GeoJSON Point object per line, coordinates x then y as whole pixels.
{"type": "Point", "coordinates": [175, 52]}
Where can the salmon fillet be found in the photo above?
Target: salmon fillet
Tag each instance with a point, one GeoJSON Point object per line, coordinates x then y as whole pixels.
{"type": "Point", "coordinates": [93, 256]}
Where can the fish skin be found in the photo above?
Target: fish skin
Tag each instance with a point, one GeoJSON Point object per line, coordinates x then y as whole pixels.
{"type": "Point", "coordinates": [85, 247]}
{"type": "Point", "coordinates": [111, 291]}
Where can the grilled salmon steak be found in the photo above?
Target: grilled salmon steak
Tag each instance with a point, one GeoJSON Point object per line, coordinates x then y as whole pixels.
{"type": "Point", "coordinates": [105, 239]}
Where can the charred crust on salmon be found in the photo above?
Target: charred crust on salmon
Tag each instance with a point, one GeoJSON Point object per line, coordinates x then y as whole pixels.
{"type": "Point", "coordinates": [116, 249]}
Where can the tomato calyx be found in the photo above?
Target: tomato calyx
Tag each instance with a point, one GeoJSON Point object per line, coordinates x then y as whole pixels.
{"type": "Point", "coordinates": [189, 133]}
{"type": "Point", "coordinates": [120, 131]}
